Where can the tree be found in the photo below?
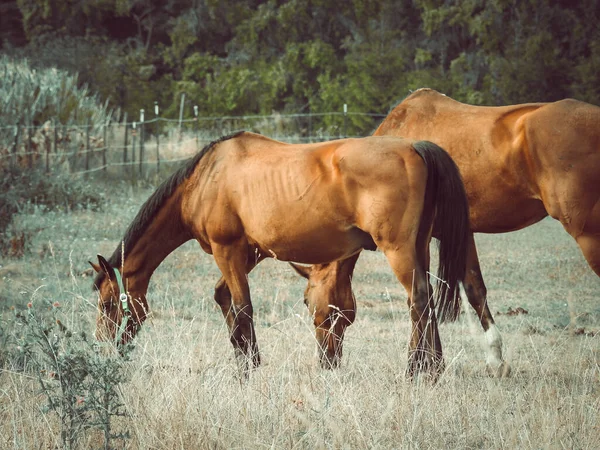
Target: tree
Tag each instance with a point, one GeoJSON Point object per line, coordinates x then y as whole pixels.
{"type": "Point", "coordinates": [12, 33]}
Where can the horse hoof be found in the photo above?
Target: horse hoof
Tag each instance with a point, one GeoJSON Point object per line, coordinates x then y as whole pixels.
{"type": "Point", "coordinates": [427, 368]}
{"type": "Point", "coordinates": [421, 377]}
{"type": "Point", "coordinates": [501, 370]}
{"type": "Point", "coordinates": [329, 363]}
{"type": "Point", "coordinates": [246, 363]}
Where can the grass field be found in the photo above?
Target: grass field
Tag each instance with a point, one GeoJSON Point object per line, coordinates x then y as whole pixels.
{"type": "Point", "coordinates": [182, 390]}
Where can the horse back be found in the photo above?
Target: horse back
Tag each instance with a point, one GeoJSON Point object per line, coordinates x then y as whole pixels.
{"type": "Point", "coordinates": [511, 157]}
{"type": "Point", "coordinates": [481, 142]}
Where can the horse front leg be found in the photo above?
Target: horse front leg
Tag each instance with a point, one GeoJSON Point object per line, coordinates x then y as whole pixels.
{"type": "Point", "coordinates": [477, 295]}
{"type": "Point", "coordinates": [223, 299]}
{"type": "Point", "coordinates": [223, 294]}
{"type": "Point", "coordinates": [588, 238]}
{"type": "Point", "coordinates": [232, 260]}
{"type": "Point", "coordinates": [425, 351]}
{"type": "Point", "coordinates": [590, 247]}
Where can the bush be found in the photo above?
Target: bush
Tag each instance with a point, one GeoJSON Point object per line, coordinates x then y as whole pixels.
{"type": "Point", "coordinates": [34, 96]}
{"type": "Point", "coordinates": [22, 188]}
{"type": "Point", "coordinates": [79, 380]}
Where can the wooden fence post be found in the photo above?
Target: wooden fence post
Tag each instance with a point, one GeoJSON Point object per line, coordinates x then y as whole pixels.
{"type": "Point", "coordinates": [125, 143]}
{"type": "Point", "coordinates": [48, 148]}
{"type": "Point", "coordinates": [156, 114]}
{"type": "Point", "coordinates": [345, 120]}
{"type": "Point", "coordinates": [133, 136]}
{"type": "Point", "coordinates": [55, 123]}
{"type": "Point", "coordinates": [65, 145]}
{"type": "Point", "coordinates": [181, 104]}
{"type": "Point", "coordinates": [13, 159]}
{"type": "Point", "coordinates": [105, 144]}
{"type": "Point", "coordinates": [29, 146]}
{"type": "Point", "coordinates": [196, 125]}
{"type": "Point", "coordinates": [87, 145]}
{"type": "Point", "coordinates": [141, 140]}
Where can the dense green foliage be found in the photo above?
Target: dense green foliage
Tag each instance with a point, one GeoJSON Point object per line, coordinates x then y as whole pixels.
{"type": "Point", "coordinates": [32, 96]}
{"type": "Point", "coordinates": [312, 55]}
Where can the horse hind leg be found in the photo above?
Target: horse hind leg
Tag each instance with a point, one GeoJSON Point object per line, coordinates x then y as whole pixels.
{"type": "Point", "coordinates": [425, 347]}
{"type": "Point", "coordinates": [476, 293]}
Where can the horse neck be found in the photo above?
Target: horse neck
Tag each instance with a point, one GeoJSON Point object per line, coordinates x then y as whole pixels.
{"type": "Point", "coordinates": [342, 272]}
{"type": "Point", "coordinates": [164, 234]}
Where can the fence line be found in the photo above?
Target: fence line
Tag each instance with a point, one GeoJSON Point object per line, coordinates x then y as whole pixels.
{"type": "Point", "coordinates": [134, 146]}
{"type": "Point", "coordinates": [200, 119]}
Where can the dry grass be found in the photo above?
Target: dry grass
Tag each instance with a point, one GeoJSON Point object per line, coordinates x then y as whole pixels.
{"type": "Point", "coordinates": [184, 391]}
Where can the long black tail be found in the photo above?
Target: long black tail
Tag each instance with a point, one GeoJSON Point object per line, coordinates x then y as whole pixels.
{"type": "Point", "coordinates": [451, 225]}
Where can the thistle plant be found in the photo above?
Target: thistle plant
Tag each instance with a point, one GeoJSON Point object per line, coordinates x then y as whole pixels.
{"type": "Point", "coordinates": [80, 381]}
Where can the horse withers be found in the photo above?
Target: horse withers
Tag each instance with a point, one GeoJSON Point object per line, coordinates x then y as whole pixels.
{"type": "Point", "coordinates": [246, 197]}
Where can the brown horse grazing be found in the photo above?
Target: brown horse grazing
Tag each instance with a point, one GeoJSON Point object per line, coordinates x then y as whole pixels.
{"type": "Point", "coordinates": [247, 197]}
{"type": "Point", "coordinates": [331, 304]}
{"type": "Point", "coordinates": [519, 164]}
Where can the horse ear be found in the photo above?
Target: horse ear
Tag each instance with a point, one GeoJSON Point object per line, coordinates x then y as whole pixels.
{"type": "Point", "coordinates": [105, 267]}
{"type": "Point", "coordinates": [303, 271]}
{"type": "Point", "coordinates": [96, 267]}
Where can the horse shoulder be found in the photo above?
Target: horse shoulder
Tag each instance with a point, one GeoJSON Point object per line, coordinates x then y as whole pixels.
{"type": "Point", "coordinates": [564, 142]}
{"type": "Point", "coordinates": [564, 134]}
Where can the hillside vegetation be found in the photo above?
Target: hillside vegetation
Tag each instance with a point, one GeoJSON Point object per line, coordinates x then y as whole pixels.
{"type": "Point", "coordinates": [311, 55]}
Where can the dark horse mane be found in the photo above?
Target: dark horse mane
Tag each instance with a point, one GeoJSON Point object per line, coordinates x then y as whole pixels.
{"type": "Point", "coordinates": [149, 209]}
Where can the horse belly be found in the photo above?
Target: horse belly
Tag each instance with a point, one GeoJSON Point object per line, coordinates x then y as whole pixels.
{"type": "Point", "coordinates": [503, 217]}
{"type": "Point", "coordinates": [501, 197]}
{"type": "Point", "coordinates": [317, 244]}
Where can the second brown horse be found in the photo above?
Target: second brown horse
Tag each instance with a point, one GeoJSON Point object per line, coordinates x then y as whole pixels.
{"type": "Point", "coordinates": [519, 163]}
{"type": "Point", "coordinates": [247, 197]}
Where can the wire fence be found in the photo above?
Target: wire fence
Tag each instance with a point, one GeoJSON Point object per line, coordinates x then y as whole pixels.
{"type": "Point", "coordinates": [140, 148]}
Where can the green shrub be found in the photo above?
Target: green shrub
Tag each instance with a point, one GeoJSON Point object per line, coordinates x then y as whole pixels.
{"type": "Point", "coordinates": [78, 378]}
{"type": "Point", "coordinates": [34, 96]}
